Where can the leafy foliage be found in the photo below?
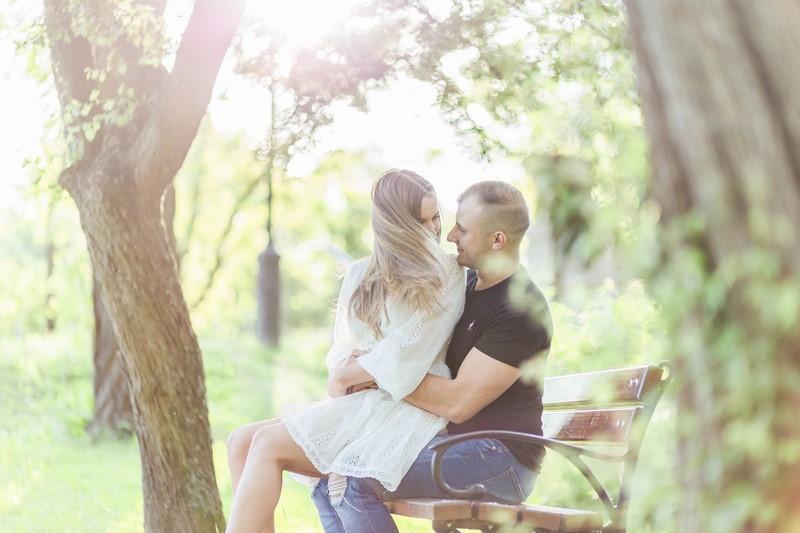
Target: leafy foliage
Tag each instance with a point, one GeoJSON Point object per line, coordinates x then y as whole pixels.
{"type": "Point", "coordinates": [121, 36]}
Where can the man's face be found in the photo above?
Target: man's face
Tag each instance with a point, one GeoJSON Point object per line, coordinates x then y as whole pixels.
{"type": "Point", "coordinates": [472, 242]}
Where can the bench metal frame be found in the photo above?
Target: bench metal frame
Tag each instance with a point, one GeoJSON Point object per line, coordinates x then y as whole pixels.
{"type": "Point", "coordinates": [639, 400]}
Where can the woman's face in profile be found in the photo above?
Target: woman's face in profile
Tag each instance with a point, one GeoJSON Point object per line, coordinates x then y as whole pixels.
{"type": "Point", "coordinates": [429, 216]}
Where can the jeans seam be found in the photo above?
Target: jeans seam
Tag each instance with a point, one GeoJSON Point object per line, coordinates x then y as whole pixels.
{"type": "Point", "coordinates": [491, 448]}
{"type": "Point", "coordinates": [507, 474]}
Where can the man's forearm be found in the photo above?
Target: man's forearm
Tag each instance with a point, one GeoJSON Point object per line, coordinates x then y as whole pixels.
{"type": "Point", "coordinates": [480, 380]}
{"type": "Point", "coordinates": [434, 394]}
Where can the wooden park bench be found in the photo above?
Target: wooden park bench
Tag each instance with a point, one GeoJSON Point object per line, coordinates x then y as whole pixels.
{"type": "Point", "coordinates": [601, 416]}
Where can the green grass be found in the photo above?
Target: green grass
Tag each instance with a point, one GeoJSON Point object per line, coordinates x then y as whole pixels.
{"type": "Point", "coordinates": [54, 478]}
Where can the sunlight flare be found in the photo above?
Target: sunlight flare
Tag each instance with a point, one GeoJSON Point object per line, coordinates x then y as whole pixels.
{"type": "Point", "coordinates": [303, 21]}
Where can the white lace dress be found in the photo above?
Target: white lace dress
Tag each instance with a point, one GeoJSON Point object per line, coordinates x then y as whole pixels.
{"type": "Point", "coordinates": [375, 433]}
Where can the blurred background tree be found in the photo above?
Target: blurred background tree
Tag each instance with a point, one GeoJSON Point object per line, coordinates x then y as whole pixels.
{"type": "Point", "coordinates": [719, 83]}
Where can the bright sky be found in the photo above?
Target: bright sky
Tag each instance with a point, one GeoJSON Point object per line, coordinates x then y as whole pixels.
{"type": "Point", "coordinates": [22, 122]}
{"type": "Point", "coordinates": [402, 128]}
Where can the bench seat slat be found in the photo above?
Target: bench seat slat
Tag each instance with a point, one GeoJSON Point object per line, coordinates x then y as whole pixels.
{"type": "Point", "coordinates": [597, 425]}
{"type": "Point", "coordinates": [431, 509]}
{"type": "Point", "coordinates": [618, 386]}
{"type": "Point", "coordinates": [497, 513]}
{"type": "Point", "coordinates": [534, 516]}
{"type": "Point", "coordinates": [544, 516]}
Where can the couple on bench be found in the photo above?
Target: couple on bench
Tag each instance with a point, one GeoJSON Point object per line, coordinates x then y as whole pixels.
{"type": "Point", "coordinates": [422, 350]}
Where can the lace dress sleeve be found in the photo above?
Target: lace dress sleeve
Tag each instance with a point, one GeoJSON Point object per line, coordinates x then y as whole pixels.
{"type": "Point", "coordinates": [344, 341]}
{"type": "Point", "coordinates": [400, 360]}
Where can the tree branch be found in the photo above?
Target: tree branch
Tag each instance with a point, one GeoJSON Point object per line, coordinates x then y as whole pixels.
{"type": "Point", "coordinates": [183, 98]}
{"type": "Point", "coordinates": [219, 258]}
{"type": "Point", "coordinates": [72, 56]}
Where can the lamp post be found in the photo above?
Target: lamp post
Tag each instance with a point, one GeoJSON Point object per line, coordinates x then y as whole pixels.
{"type": "Point", "coordinates": [269, 281]}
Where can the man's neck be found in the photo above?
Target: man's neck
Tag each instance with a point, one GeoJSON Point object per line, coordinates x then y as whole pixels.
{"type": "Point", "coordinates": [497, 273]}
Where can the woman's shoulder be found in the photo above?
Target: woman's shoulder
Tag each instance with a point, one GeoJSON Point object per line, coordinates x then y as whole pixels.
{"type": "Point", "coordinates": [451, 259]}
{"type": "Point", "coordinates": [356, 269]}
{"type": "Point", "coordinates": [452, 262]}
{"type": "Point", "coordinates": [454, 270]}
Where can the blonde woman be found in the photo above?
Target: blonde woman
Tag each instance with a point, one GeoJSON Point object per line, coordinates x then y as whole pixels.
{"type": "Point", "coordinates": [397, 307]}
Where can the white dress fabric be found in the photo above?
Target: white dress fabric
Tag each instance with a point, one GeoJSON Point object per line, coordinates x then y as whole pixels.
{"type": "Point", "coordinates": [375, 433]}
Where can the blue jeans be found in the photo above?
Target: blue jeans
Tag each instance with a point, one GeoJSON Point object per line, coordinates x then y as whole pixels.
{"type": "Point", "coordinates": [485, 461]}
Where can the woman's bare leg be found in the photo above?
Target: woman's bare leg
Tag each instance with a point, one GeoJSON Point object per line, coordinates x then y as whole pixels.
{"type": "Point", "coordinates": [238, 445]}
{"type": "Point", "coordinates": [272, 451]}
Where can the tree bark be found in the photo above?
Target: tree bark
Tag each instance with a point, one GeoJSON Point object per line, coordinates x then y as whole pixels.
{"type": "Point", "coordinates": [50, 253]}
{"type": "Point", "coordinates": [113, 412]}
{"type": "Point", "coordinates": [719, 83]}
{"type": "Point", "coordinates": [117, 182]}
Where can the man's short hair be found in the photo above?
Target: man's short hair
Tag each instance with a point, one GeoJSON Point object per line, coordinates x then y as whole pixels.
{"type": "Point", "coordinates": [503, 208]}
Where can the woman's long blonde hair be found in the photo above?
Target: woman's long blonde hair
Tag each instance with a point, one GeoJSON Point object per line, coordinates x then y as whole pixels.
{"type": "Point", "coordinates": [406, 262]}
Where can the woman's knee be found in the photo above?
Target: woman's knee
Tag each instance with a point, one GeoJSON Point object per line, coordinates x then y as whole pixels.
{"type": "Point", "coordinates": [266, 441]}
{"type": "Point", "coordinates": [238, 442]}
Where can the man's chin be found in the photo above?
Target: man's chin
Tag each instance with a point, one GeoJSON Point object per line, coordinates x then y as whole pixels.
{"type": "Point", "coordinates": [461, 260]}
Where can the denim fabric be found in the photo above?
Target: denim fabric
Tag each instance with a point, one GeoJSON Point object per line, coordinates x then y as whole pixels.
{"type": "Point", "coordinates": [465, 464]}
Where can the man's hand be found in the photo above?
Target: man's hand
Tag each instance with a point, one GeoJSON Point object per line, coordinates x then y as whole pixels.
{"type": "Point", "coordinates": [358, 387]}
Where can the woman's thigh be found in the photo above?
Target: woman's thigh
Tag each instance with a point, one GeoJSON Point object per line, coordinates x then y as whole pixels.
{"type": "Point", "coordinates": [273, 440]}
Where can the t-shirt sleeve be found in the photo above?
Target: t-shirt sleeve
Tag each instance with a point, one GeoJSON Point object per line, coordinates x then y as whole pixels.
{"type": "Point", "coordinates": [401, 359]}
{"type": "Point", "coordinates": [513, 336]}
{"type": "Point", "coordinates": [344, 342]}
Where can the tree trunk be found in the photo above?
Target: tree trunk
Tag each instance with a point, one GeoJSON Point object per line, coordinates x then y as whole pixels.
{"type": "Point", "coordinates": [121, 168]}
{"type": "Point", "coordinates": [137, 275]}
{"type": "Point", "coordinates": [50, 252]}
{"type": "Point", "coordinates": [113, 412]}
{"type": "Point", "coordinates": [719, 83]}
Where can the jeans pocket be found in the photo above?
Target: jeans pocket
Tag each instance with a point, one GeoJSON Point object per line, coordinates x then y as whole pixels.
{"type": "Point", "coordinates": [483, 448]}
{"type": "Point", "coordinates": [504, 488]}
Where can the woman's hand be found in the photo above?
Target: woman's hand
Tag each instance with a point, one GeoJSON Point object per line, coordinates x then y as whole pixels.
{"type": "Point", "coordinates": [336, 386]}
{"type": "Point", "coordinates": [348, 377]}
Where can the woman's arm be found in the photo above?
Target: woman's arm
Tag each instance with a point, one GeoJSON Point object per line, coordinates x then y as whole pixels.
{"type": "Point", "coordinates": [400, 360]}
{"type": "Point", "coordinates": [348, 376]}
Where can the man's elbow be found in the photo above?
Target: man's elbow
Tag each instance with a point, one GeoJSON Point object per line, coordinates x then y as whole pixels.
{"type": "Point", "coordinates": [459, 415]}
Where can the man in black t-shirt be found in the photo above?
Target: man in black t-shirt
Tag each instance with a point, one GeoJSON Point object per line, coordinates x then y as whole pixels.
{"type": "Point", "coordinates": [506, 323]}
{"type": "Point", "coordinates": [510, 332]}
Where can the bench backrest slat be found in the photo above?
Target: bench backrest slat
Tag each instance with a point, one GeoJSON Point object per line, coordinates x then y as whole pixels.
{"type": "Point", "coordinates": [608, 387]}
{"type": "Point", "coordinates": [598, 425]}
{"type": "Point", "coordinates": [599, 407]}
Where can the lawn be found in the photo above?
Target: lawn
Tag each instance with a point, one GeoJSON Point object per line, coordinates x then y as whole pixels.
{"type": "Point", "coordinates": [54, 478]}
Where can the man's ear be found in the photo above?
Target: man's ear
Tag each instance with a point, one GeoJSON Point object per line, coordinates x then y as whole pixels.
{"type": "Point", "coordinates": [499, 239]}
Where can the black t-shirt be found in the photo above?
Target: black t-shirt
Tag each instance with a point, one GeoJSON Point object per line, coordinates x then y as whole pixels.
{"type": "Point", "coordinates": [509, 322]}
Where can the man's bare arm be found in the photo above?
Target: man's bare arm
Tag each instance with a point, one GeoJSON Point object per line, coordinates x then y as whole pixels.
{"type": "Point", "coordinates": [481, 379]}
